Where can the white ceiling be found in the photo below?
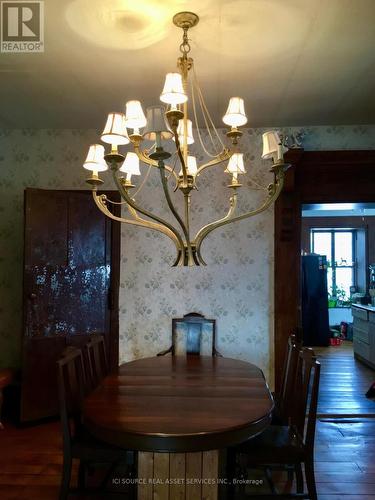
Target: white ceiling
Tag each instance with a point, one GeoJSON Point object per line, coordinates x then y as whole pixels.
{"type": "Point", "coordinates": [339, 210]}
{"type": "Point", "coordinates": [295, 62]}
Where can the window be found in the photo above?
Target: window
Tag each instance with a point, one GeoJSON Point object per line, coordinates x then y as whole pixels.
{"type": "Point", "coordinates": [338, 245]}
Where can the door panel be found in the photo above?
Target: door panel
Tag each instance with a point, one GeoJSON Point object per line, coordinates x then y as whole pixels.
{"type": "Point", "coordinates": [71, 268]}
{"type": "Point", "coordinates": [39, 382]}
{"type": "Point", "coordinates": [87, 247]}
{"type": "Point", "coordinates": [46, 228]}
{"type": "Point", "coordinates": [67, 300]}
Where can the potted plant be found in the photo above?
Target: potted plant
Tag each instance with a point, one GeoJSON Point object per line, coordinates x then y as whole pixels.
{"type": "Point", "coordinates": [332, 301]}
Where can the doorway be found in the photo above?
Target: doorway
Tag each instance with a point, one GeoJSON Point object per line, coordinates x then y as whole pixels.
{"type": "Point", "coordinates": [315, 177]}
{"type": "Point", "coordinates": [338, 234]}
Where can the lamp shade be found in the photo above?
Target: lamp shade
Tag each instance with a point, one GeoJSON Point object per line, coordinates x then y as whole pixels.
{"type": "Point", "coordinates": [156, 123]}
{"type": "Point", "coordinates": [235, 115]}
{"type": "Point", "coordinates": [271, 144]}
{"type": "Point", "coordinates": [134, 116]}
{"type": "Point", "coordinates": [131, 164]}
{"type": "Point", "coordinates": [180, 132]}
{"type": "Point", "coordinates": [235, 164]}
{"type": "Point", "coordinates": [95, 159]}
{"type": "Point", "coordinates": [191, 166]}
{"type": "Point", "coordinates": [173, 91]}
{"type": "Point", "coordinates": [115, 130]}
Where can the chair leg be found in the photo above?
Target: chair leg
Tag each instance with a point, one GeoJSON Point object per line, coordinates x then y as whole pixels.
{"type": "Point", "coordinates": [81, 475]}
{"type": "Point", "coordinates": [299, 478]}
{"type": "Point", "coordinates": [112, 468]}
{"type": "Point", "coordinates": [65, 480]}
{"type": "Point", "coordinates": [290, 474]}
{"type": "Point", "coordinates": [230, 472]}
{"type": "Point", "coordinates": [134, 463]}
{"type": "Point", "coordinates": [290, 477]}
{"type": "Point", "coordinates": [310, 479]}
{"type": "Point", "coordinates": [270, 482]}
{"type": "Point", "coordinates": [1, 405]}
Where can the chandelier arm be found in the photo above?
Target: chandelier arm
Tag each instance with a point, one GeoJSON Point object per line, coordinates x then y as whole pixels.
{"type": "Point", "coordinates": [180, 156]}
{"type": "Point", "coordinates": [208, 228]}
{"type": "Point", "coordinates": [187, 212]}
{"type": "Point", "coordinates": [157, 227]}
{"type": "Point", "coordinates": [201, 234]}
{"type": "Point", "coordinates": [224, 155]}
{"type": "Point", "coordinates": [175, 213]}
{"type": "Point", "coordinates": [152, 163]}
{"type": "Point", "coordinates": [137, 221]}
{"type": "Point", "coordinates": [275, 190]}
{"type": "Point", "coordinates": [145, 212]}
{"type": "Point", "coordinates": [107, 200]}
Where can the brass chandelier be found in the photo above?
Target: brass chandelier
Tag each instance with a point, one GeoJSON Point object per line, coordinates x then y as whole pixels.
{"type": "Point", "coordinates": [172, 123]}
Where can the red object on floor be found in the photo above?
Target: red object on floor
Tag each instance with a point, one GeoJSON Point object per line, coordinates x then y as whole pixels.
{"type": "Point", "coordinates": [335, 341]}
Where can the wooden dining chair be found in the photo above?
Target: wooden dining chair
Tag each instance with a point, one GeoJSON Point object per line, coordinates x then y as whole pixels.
{"type": "Point", "coordinates": [77, 442]}
{"type": "Point", "coordinates": [95, 352]}
{"type": "Point", "coordinates": [293, 445]}
{"type": "Point", "coordinates": [193, 335]}
{"type": "Point", "coordinates": [284, 398]}
{"type": "Point", "coordinates": [6, 378]}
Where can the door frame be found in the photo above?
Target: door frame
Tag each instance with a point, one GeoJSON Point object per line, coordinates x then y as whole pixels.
{"type": "Point", "coordinates": [315, 177]}
{"type": "Point", "coordinates": [114, 331]}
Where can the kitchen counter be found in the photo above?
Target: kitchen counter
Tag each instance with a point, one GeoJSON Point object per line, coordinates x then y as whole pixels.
{"type": "Point", "coordinates": [367, 306]}
{"type": "Point", "coordinates": [364, 333]}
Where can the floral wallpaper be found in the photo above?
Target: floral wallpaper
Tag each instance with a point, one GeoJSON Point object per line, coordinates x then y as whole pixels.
{"type": "Point", "coordinates": [236, 286]}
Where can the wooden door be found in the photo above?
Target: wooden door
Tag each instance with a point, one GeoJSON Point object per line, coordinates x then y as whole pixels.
{"type": "Point", "coordinates": [71, 273]}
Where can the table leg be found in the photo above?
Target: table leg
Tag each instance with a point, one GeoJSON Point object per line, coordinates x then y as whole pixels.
{"type": "Point", "coordinates": [190, 476]}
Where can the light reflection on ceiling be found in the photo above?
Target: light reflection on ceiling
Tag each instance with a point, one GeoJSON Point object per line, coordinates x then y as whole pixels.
{"type": "Point", "coordinates": [120, 24]}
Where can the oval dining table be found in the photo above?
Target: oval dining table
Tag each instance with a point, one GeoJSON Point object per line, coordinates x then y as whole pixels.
{"type": "Point", "coordinates": [182, 406]}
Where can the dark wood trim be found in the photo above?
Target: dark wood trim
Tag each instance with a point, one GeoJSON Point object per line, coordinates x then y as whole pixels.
{"type": "Point", "coordinates": [315, 177]}
{"type": "Point", "coordinates": [113, 345]}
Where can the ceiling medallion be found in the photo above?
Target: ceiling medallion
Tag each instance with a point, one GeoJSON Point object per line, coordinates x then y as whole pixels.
{"type": "Point", "coordinates": [171, 125]}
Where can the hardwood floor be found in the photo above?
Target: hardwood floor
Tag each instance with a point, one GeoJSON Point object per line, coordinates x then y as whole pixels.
{"type": "Point", "coordinates": [344, 382]}
{"type": "Point", "coordinates": [30, 458]}
{"type": "Point", "coordinates": [30, 461]}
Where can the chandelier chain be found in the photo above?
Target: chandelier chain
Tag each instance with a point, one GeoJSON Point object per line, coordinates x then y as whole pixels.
{"type": "Point", "coordinates": [206, 122]}
{"type": "Point", "coordinates": [185, 46]}
{"type": "Point", "coordinates": [197, 125]}
{"type": "Point", "coordinates": [204, 106]}
{"type": "Point", "coordinates": [143, 182]}
{"type": "Point", "coordinates": [174, 166]}
{"type": "Point", "coordinates": [206, 116]}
